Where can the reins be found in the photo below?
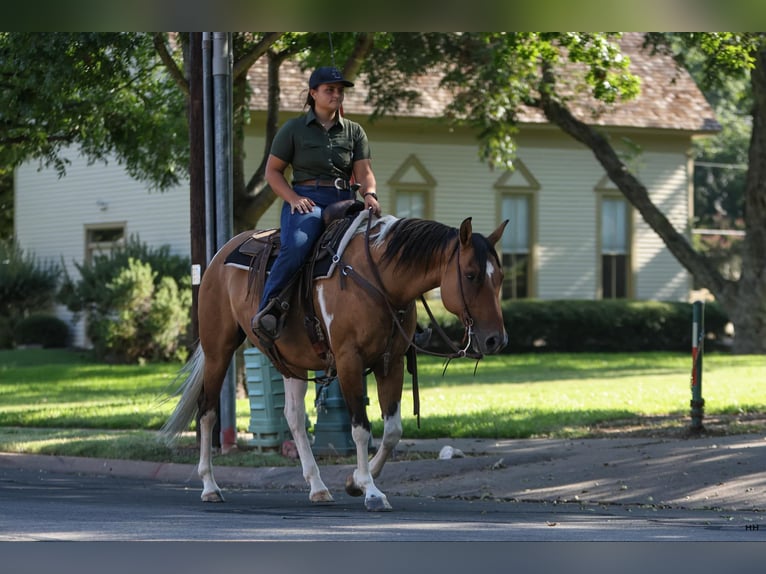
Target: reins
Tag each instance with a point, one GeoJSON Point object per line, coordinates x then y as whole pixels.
{"type": "Point", "coordinates": [466, 318]}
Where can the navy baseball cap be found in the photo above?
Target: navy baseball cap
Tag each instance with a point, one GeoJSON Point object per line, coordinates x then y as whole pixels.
{"type": "Point", "coordinates": [328, 75]}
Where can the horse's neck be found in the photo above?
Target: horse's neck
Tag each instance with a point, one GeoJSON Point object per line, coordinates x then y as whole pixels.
{"type": "Point", "coordinates": [403, 287]}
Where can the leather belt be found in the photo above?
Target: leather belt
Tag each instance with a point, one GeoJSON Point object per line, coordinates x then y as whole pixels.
{"type": "Point", "coordinates": [337, 183]}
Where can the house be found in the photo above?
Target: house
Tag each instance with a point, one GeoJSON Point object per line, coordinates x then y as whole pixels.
{"type": "Point", "coordinates": [572, 234]}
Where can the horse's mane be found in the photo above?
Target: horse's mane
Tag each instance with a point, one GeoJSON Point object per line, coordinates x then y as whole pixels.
{"type": "Point", "coordinates": [420, 243]}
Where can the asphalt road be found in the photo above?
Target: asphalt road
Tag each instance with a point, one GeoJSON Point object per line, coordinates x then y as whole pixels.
{"type": "Point", "coordinates": [43, 505]}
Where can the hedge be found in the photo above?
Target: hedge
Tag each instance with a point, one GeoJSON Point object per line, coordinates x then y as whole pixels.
{"type": "Point", "coordinates": [577, 325]}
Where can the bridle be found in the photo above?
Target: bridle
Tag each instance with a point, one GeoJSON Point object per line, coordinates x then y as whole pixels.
{"type": "Point", "coordinates": [380, 291]}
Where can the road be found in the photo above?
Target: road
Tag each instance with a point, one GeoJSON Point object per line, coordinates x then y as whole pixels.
{"type": "Point", "coordinates": [64, 507]}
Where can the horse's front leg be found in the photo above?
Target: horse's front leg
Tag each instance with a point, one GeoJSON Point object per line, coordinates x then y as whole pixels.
{"type": "Point", "coordinates": [361, 481]}
{"type": "Point", "coordinates": [392, 433]}
{"type": "Point", "coordinates": [295, 414]}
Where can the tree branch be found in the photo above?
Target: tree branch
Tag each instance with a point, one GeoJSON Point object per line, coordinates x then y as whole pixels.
{"type": "Point", "coordinates": [170, 64]}
{"type": "Point", "coordinates": [243, 64]}
{"type": "Point", "coordinates": [362, 47]}
{"type": "Point", "coordinates": [635, 193]}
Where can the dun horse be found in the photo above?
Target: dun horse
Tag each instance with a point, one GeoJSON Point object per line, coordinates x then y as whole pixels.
{"type": "Point", "coordinates": [375, 285]}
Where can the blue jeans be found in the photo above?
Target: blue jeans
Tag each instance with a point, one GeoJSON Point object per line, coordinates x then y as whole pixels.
{"type": "Point", "coordinates": [298, 233]}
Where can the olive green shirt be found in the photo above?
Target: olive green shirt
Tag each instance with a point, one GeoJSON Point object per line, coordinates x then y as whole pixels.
{"type": "Point", "coordinates": [318, 154]}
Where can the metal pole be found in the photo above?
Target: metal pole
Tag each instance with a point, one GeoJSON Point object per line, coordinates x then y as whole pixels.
{"type": "Point", "coordinates": [207, 105]}
{"type": "Point", "coordinates": [222, 138]}
{"type": "Point", "coordinates": [698, 343]}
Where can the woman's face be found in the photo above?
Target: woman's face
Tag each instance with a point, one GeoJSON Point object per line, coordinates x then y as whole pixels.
{"type": "Point", "coordinates": [328, 96]}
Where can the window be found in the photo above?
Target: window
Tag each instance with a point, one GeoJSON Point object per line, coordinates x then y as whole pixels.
{"type": "Point", "coordinates": [411, 204]}
{"type": "Point", "coordinates": [515, 246]}
{"type": "Point", "coordinates": [615, 260]}
{"type": "Point", "coordinates": [102, 239]}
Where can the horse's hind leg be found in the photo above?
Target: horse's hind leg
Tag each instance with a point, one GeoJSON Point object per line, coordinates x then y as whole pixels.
{"type": "Point", "coordinates": [295, 413]}
{"type": "Point", "coordinates": [215, 371]}
{"type": "Point", "coordinates": [210, 490]}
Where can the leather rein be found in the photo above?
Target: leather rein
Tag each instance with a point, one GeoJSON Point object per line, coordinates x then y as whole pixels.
{"type": "Point", "coordinates": [380, 291]}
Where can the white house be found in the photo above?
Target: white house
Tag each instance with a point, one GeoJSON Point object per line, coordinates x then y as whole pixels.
{"type": "Point", "coordinates": [572, 234]}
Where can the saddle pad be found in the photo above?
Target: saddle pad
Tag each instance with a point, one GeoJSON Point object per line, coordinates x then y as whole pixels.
{"type": "Point", "coordinates": [325, 268]}
{"type": "Point", "coordinates": [242, 256]}
{"type": "Point", "coordinates": [357, 226]}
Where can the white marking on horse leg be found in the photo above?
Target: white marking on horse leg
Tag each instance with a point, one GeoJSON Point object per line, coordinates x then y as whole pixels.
{"type": "Point", "coordinates": [392, 433]}
{"type": "Point", "coordinates": [210, 490]}
{"type": "Point", "coordinates": [327, 317]}
{"type": "Point", "coordinates": [295, 413]}
{"type": "Point", "coordinates": [374, 499]}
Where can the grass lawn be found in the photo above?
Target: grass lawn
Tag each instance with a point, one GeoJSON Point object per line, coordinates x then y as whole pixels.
{"type": "Point", "coordinates": [60, 402]}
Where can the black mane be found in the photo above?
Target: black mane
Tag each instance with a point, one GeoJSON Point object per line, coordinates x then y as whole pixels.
{"type": "Point", "coordinates": [419, 244]}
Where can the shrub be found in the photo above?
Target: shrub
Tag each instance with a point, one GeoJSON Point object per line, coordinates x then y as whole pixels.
{"type": "Point", "coordinates": [46, 330]}
{"type": "Point", "coordinates": [6, 333]}
{"type": "Point", "coordinates": [26, 284]}
{"type": "Point", "coordinates": [136, 301]}
{"type": "Point", "coordinates": [576, 325]}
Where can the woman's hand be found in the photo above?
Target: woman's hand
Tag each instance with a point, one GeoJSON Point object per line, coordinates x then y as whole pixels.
{"type": "Point", "coordinates": [371, 203]}
{"type": "Point", "coordinates": [301, 205]}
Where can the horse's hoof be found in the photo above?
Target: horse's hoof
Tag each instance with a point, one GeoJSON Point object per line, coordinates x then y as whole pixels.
{"type": "Point", "coordinates": [377, 504]}
{"type": "Point", "coordinates": [322, 496]}
{"type": "Point", "coordinates": [351, 488]}
{"type": "Point", "coordinates": [215, 496]}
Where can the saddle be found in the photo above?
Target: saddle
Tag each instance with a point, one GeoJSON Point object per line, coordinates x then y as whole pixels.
{"type": "Point", "coordinates": [258, 252]}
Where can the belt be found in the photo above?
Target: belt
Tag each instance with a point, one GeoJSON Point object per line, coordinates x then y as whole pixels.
{"type": "Point", "coordinates": [337, 183]}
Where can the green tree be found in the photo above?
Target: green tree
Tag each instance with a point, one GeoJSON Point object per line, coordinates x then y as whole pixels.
{"type": "Point", "coordinates": [105, 94]}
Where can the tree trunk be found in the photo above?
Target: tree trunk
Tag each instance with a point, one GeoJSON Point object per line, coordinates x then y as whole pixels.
{"type": "Point", "coordinates": [748, 307]}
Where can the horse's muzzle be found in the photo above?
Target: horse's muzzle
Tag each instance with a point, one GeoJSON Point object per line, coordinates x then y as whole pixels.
{"type": "Point", "coordinates": [493, 343]}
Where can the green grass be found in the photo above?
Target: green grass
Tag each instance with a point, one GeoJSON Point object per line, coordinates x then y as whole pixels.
{"type": "Point", "coordinates": [61, 402]}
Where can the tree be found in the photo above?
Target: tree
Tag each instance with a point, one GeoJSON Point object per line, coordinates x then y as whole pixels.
{"type": "Point", "coordinates": [106, 94]}
{"type": "Point", "coordinates": [607, 78]}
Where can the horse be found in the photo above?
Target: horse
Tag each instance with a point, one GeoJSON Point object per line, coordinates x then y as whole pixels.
{"type": "Point", "coordinates": [368, 313]}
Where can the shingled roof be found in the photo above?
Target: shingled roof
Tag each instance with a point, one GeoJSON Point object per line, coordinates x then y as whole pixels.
{"type": "Point", "coordinates": [669, 98]}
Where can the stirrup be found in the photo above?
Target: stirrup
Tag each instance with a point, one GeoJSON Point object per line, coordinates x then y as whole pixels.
{"type": "Point", "coordinates": [267, 324]}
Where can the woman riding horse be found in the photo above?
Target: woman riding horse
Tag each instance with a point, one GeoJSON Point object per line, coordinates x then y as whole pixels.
{"type": "Point", "coordinates": [325, 151]}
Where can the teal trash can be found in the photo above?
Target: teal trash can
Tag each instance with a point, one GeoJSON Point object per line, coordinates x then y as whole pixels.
{"type": "Point", "coordinates": [332, 430]}
{"type": "Point", "coordinates": [266, 391]}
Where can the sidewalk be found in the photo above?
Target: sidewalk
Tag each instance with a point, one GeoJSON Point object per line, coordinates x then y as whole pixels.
{"type": "Point", "coordinates": [726, 473]}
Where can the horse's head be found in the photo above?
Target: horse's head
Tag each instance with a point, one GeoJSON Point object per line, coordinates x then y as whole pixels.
{"type": "Point", "coordinates": [470, 287]}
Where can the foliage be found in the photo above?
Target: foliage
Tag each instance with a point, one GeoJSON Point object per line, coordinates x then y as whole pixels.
{"type": "Point", "coordinates": [610, 325]}
{"type": "Point", "coordinates": [136, 302]}
{"type": "Point", "coordinates": [143, 322]}
{"type": "Point", "coordinates": [6, 205]}
{"type": "Point", "coordinates": [26, 285]}
{"type": "Point", "coordinates": [40, 329]}
{"type": "Point", "coordinates": [105, 93]}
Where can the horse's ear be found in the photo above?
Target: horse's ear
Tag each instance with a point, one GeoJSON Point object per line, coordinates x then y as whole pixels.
{"type": "Point", "coordinates": [497, 233]}
{"type": "Point", "coordinates": [466, 230]}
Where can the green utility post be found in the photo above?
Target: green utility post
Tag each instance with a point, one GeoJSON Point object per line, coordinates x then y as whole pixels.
{"type": "Point", "coordinates": [698, 340]}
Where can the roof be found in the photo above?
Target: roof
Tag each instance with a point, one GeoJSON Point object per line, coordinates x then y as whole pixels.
{"type": "Point", "coordinates": [669, 98]}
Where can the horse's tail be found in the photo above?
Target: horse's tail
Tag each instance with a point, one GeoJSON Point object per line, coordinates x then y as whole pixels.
{"type": "Point", "coordinates": [190, 390]}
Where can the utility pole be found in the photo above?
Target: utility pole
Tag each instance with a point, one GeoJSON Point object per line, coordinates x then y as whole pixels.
{"type": "Point", "coordinates": [198, 246]}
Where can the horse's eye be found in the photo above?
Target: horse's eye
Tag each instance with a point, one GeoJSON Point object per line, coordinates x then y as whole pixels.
{"type": "Point", "coordinates": [471, 277]}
